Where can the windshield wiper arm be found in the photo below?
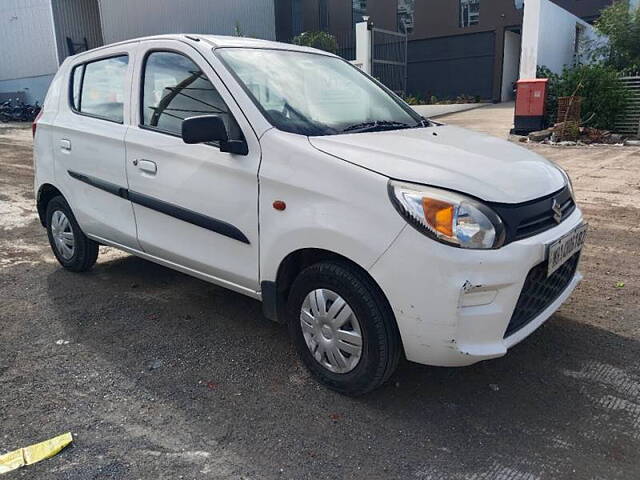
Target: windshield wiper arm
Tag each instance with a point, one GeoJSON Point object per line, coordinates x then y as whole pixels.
{"type": "Point", "coordinates": [373, 126]}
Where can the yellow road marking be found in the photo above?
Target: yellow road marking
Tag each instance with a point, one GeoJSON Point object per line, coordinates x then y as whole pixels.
{"type": "Point", "coordinates": [34, 453]}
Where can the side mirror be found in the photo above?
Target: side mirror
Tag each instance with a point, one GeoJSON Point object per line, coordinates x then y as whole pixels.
{"type": "Point", "coordinates": [211, 128]}
{"type": "Point", "coordinates": [207, 128]}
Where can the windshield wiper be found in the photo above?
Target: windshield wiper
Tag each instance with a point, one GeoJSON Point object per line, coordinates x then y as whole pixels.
{"type": "Point", "coordinates": [378, 125]}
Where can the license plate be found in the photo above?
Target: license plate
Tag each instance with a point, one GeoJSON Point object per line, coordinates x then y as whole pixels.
{"type": "Point", "coordinates": [562, 249]}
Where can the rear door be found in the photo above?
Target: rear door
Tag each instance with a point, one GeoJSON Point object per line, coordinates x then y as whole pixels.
{"type": "Point", "coordinates": [88, 141]}
{"type": "Point", "coordinates": [195, 205]}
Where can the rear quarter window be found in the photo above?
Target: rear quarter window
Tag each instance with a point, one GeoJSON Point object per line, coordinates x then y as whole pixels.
{"type": "Point", "coordinates": [98, 88]}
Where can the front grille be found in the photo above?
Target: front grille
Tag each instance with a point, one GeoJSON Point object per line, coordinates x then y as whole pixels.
{"type": "Point", "coordinates": [540, 291]}
{"type": "Point", "coordinates": [543, 221]}
{"type": "Point", "coordinates": [530, 218]}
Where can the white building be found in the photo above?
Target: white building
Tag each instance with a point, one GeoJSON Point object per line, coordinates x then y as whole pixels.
{"type": "Point", "coordinates": [37, 35]}
{"type": "Point", "coordinates": [551, 37]}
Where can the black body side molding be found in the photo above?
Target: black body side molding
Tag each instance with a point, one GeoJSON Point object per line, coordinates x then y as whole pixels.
{"type": "Point", "coordinates": [189, 216]}
{"type": "Point", "coordinates": [101, 184]}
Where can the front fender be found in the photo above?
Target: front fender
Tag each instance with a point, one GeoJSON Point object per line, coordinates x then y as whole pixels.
{"type": "Point", "coordinates": [331, 204]}
{"type": "Point", "coordinates": [360, 252]}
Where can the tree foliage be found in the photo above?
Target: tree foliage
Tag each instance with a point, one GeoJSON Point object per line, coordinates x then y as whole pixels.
{"type": "Point", "coordinates": [603, 95]}
{"type": "Point", "coordinates": [321, 40]}
{"type": "Point", "coordinates": [621, 25]}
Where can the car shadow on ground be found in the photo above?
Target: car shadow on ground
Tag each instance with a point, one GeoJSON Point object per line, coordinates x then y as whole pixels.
{"type": "Point", "coordinates": [209, 351]}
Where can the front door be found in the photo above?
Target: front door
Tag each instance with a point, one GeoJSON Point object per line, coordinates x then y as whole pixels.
{"type": "Point", "coordinates": [194, 205]}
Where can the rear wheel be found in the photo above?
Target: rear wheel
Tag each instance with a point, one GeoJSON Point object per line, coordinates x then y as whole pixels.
{"type": "Point", "coordinates": [343, 327]}
{"type": "Point", "coordinates": [71, 247]}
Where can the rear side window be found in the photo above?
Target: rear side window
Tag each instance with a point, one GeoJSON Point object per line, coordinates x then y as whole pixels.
{"type": "Point", "coordinates": [98, 88]}
{"type": "Point", "coordinates": [174, 89]}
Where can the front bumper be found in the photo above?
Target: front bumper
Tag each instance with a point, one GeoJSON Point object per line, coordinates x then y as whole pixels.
{"type": "Point", "coordinates": [453, 305]}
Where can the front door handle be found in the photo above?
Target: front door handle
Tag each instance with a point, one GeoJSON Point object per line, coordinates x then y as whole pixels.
{"type": "Point", "coordinates": [146, 166]}
{"type": "Point", "coordinates": [65, 145]}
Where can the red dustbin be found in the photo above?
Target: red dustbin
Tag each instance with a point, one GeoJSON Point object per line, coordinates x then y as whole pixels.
{"type": "Point", "coordinates": [531, 105]}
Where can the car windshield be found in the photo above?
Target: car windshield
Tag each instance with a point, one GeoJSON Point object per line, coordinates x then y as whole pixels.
{"type": "Point", "coordinates": [312, 94]}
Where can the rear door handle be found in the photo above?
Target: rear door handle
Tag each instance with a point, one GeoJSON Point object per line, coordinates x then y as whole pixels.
{"type": "Point", "coordinates": [146, 166]}
{"type": "Point", "coordinates": [65, 145]}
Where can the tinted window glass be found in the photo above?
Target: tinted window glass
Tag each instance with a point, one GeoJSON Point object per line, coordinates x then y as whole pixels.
{"type": "Point", "coordinates": [174, 89]}
{"type": "Point", "coordinates": [469, 12]}
{"type": "Point", "coordinates": [103, 88]}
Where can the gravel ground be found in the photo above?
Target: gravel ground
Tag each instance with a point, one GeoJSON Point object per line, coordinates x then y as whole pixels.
{"type": "Point", "coordinates": [162, 376]}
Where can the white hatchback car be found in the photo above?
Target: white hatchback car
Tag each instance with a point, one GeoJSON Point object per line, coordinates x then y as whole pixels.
{"type": "Point", "coordinates": [287, 174]}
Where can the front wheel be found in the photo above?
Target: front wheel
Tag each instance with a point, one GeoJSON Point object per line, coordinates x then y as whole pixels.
{"type": "Point", "coordinates": [70, 245]}
{"type": "Point", "coordinates": [343, 327]}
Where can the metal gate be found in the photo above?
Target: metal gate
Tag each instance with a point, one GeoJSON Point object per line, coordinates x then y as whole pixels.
{"type": "Point", "coordinates": [389, 59]}
{"type": "Point", "coordinates": [628, 123]}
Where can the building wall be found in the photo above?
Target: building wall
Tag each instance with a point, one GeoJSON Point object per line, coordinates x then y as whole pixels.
{"type": "Point", "coordinates": [76, 19]}
{"type": "Point", "coordinates": [436, 18]}
{"type": "Point", "coordinates": [339, 12]}
{"type": "Point", "coordinates": [383, 13]}
{"type": "Point", "coordinates": [125, 19]}
{"type": "Point", "coordinates": [284, 20]}
{"type": "Point", "coordinates": [556, 36]}
{"type": "Point", "coordinates": [585, 9]}
{"type": "Point", "coordinates": [510, 64]}
{"type": "Point", "coordinates": [34, 88]}
{"type": "Point", "coordinates": [432, 18]}
{"type": "Point", "coordinates": [548, 39]}
{"type": "Point", "coordinates": [26, 39]}
{"type": "Point", "coordinates": [446, 67]}
{"type": "Point", "coordinates": [28, 58]}
{"type": "Point", "coordinates": [439, 19]}
{"type": "Point", "coordinates": [340, 16]}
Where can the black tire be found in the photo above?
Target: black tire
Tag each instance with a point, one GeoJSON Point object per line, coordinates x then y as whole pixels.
{"type": "Point", "coordinates": [85, 251]}
{"type": "Point", "coordinates": [381, 347]}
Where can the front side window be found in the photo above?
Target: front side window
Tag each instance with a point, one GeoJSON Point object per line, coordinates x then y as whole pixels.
{"type": "Point", "coordinates": [469, 12]}
{"type": "Point", "coordinates": [312, 94]}
{"type": "Point", "coordinates": [174, 89]}
{"type": "Point", "coordinates": [99, 88]}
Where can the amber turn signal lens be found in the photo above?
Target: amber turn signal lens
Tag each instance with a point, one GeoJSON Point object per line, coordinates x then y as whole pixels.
{"type": "Point", "coordinates": [439, 215]}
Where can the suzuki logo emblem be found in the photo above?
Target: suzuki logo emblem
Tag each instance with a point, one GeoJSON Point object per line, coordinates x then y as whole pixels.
{"type": "Point", "coordinates": [557, 211]}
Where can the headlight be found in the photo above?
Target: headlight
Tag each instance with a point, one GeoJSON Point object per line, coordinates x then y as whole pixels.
{"type": "Point", "coordinates": [568, 180]}
{"type": "Point", "coordinates": [448, 217]}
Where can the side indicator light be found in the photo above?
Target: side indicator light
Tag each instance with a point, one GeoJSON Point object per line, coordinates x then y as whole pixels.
{"type": "Point", "coordinates": [279, 205]}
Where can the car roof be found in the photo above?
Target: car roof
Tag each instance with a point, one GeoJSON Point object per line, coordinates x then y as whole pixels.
{"type": "Point", "coordinates": [215, 41]}
{"type": "Point", "coordinates": [220, 41]}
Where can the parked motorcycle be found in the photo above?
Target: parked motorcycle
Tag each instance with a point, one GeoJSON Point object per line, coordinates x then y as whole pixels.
{"type": "Point", "coordinates": [15, 110]}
